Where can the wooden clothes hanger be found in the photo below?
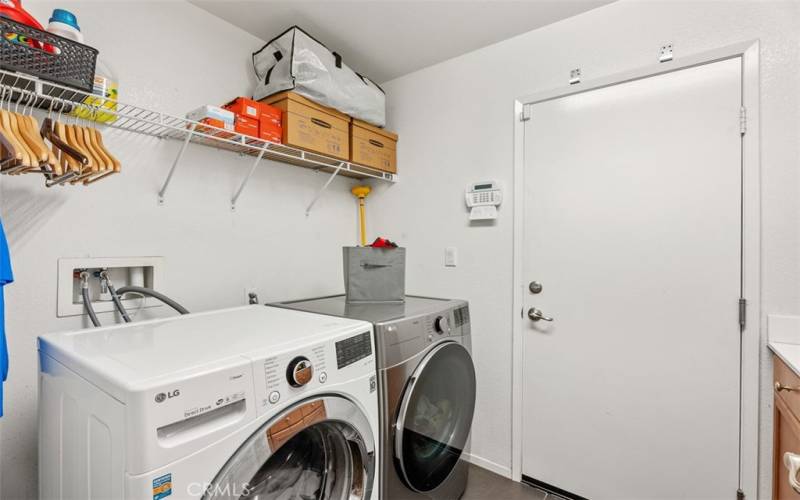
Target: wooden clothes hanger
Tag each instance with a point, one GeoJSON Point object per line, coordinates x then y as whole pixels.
{"type": "Point", "coordinates": [13, 128]}
{"type": "Point", "coordinates": [14, 154]}
{"type": "Point", "coordinates": [117, 165]}
{"type": "Point", "coordinates": [75, 139]}
{"type": "Point", "coordinates": [76, 152]}
{"type": "Point", "coordinates": [110, 163]}
{"type": "Point", "coordinates": [29, 129]}
{"type": "Point", "coordinates": [72, 160]}
{"type": "Point", "coordinates": [48, 163]}
{"type": "Point", "coordinates": [25, 129]}
{"type": "Point", "coordinates": [62, 152]}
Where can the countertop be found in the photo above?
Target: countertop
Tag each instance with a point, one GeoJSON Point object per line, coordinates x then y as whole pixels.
{"type": "Point", "coordinates": [788, 353]}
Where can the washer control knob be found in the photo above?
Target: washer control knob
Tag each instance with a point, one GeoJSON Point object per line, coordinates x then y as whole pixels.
{"type": "Point", "coordinates": [323, 377]}
{"type": "Point", "coordinates": [299, 372]}
{"type": "Point", "coordinates": [441, 324]}
{"type": "Point", "coordinates": [274, 397]}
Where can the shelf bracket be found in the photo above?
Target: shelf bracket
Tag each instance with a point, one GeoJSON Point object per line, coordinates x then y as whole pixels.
{"type": "Point", "coordinates": [246, 179]}
{"type": "Point", "coordinates": [186, 141]}
{"type": "Point", "coordinates": [324, 187]}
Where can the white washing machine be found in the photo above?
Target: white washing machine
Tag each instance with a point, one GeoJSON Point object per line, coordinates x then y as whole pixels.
{"type": "Point", "coordinates": [252, 403]}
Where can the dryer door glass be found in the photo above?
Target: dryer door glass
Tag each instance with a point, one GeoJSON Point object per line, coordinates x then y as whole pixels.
{"type": "Point", "coordinates": [435, 417]}
{"type": "Point", "coordinates": [306, 453]}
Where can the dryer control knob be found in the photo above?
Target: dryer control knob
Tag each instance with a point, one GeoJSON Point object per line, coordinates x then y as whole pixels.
{"type": "Point", "coordinates": [299, 372]}
{"type": "Point", "coordinates": [441, 324]}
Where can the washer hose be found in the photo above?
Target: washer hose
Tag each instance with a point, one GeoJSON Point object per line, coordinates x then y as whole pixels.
{"type": "Point", "coordinates": [124, 312]}
{"type": "Point", "coordinates": [114, 297]}
{"type": "Point", "coordinates": [87, 302]}
{"type": "Point", "coordinates": [149, 292]}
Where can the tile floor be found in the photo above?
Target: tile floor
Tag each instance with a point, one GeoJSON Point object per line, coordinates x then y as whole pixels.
{"type": "Point", "coordinates": [485, 485]}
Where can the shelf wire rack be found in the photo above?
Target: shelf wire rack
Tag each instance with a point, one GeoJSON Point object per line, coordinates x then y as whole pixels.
{"type": "Point", "coordinates": [139, 120]}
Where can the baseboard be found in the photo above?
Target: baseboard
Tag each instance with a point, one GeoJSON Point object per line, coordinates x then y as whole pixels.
{"type": "Point", "coordinates": [488, 465]}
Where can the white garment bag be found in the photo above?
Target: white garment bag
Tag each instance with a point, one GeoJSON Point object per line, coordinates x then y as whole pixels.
{"type": "Point", "coordinates": [296, 61]}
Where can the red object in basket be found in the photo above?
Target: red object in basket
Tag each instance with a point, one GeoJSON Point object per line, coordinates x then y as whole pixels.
{"type": "Point", "coordinates": [13, 10]}
{"type": "Point", "coordinates": [383, 243]}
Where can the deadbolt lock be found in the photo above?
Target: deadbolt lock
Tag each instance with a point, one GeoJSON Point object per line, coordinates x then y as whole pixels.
{"type": "Point", "coordinates": [535, 287]}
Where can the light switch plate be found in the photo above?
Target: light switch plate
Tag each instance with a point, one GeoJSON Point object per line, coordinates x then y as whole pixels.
{"type": "Point", "coordinates": [450, 257]}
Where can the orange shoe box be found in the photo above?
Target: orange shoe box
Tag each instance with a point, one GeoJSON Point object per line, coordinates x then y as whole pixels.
{"type": "Point", "coordinates": [270, 127]}
{"type": "Point", "coordinates": [245, 107]}
{"type": "Point", "coordinates": [269, 131]}
{"type": "Point", "coordinates": [246, 126]}
{"type": "Point", "coordinates": [271, 135]}
{"type": "Point", "coordinates": [270, 114]}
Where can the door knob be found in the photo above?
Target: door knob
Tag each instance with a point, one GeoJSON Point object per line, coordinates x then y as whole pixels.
{"type": "Point", "coordinates": [780, 387]}
{"type": "Point", "coordinates": [536, 315]}
{"type": "Point", "coordinates": [792, 463]}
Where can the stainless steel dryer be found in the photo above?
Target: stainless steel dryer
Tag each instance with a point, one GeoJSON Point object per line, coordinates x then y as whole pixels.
{"type": "Point", "coordinates": [427, 390]}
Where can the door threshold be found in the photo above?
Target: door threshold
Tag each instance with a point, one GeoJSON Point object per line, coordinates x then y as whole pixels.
{"type": "Point", "coordinates": [550, 489]}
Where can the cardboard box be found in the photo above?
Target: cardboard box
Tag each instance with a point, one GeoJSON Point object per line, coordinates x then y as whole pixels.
{"type": "Point", "coordinates": [309, 126]}
{"type": "Point", "coordinates": [246, 126]}
{"type": "Point", "coordinates": [373, 147]}
{"type": "Point", "coordinates": [245, 107]}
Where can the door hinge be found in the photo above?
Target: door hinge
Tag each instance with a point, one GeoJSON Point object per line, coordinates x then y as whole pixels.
{"type": "Point", "coordinates": [665, 54]}
{"type": "Point", "coordinates": [743, 120]}
{"type": "Point", "coordinates": [739, 494]}
{"type": "Point", "coordinates": [742, 312]}
{"type": "Point", "coordinates": [526, 113]}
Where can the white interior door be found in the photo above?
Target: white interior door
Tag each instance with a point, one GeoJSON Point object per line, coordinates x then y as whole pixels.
{"type": "Point", "coordinates": [632, 226]}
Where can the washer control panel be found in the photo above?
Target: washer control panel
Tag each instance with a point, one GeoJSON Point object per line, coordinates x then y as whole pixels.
{"type": "Point", "coordinates": [353, 349]}
{"type": "Point", "coordinates": [283, 377]}
{"type": "Point", "coordinates": [300, 371]}
{"type": "Point", "coordinates": [442, 325]}
{"type": "Point", "coordinates": [447, 323]}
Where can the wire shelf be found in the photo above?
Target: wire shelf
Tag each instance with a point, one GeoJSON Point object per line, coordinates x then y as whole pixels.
{"type": "Point", "coordinates": [130, 118]}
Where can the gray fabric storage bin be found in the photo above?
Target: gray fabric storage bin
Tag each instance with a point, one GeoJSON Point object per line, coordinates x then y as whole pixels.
{"type": "Point", "coordinates": [374, 274]}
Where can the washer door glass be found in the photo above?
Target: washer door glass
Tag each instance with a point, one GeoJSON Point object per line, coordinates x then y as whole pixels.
{"type": "Point", "coordinates": [314, 464]}
{"type": "Point", "coordinates": [435, 417]}
{"type": "Point", "coordinates": [324, 460]}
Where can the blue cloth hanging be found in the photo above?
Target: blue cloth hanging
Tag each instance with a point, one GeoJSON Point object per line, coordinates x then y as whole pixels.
{"type": "Point", "coordinates": [6, 277]}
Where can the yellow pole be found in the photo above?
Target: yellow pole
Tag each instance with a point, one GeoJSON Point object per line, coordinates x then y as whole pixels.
{"type": "Point", "coordinates": [361, 193]}
{"type": "Point", "coordinates": [363, 218]}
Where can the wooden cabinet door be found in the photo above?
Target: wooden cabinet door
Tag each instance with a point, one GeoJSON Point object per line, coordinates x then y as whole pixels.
{"type": "Point", "coordinates": [786, 439]}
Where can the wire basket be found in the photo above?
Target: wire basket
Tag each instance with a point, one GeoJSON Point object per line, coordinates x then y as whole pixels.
{"type": "Point", "coordinates": [50, 57]}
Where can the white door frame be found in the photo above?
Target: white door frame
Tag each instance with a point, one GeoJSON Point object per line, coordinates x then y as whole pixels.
{"type": "Point", "coordinates": [751, 243]}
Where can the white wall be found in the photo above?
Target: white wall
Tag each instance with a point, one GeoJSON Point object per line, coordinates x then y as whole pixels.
{"type": "Point", "coordinates": [455, 123]}
{"type": "Point", "coordinates": [170, 56]}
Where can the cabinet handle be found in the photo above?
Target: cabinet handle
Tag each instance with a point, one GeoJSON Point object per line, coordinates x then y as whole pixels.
{"type": "Point", "coordinates": [780, 387]}
{"type": "Point", "coordinates": [792, 463]}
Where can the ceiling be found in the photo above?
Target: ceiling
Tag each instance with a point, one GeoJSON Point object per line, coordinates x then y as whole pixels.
{"type": "Point", "coordinates": [384, 39]}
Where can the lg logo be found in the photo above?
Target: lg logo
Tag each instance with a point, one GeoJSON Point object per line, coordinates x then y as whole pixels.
{"type": "Point", "coordinates": [163, 396]}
